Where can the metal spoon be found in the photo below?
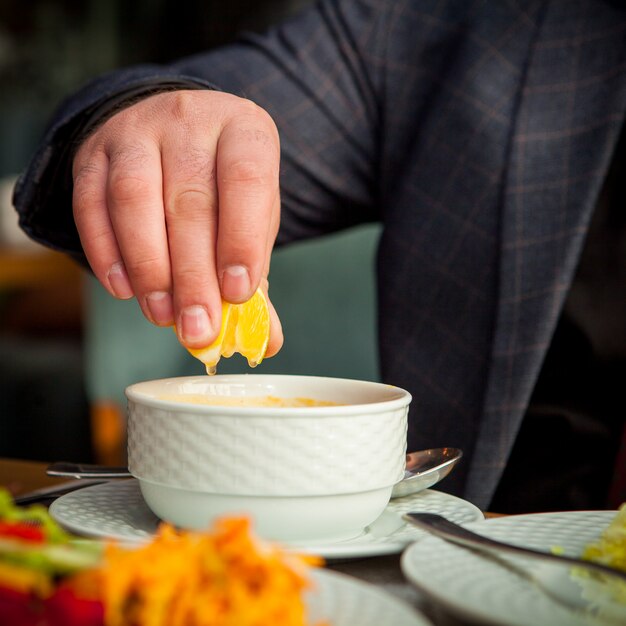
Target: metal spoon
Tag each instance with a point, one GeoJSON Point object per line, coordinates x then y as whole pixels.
{"type": "Point", "coordinates": [423, 470]}
{"type": "Point", "coordinates": [65, 469]}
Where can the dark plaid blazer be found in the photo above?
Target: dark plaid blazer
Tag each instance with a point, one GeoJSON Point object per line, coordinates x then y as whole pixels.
{"type": "Point", "coordinates": [477, 132]}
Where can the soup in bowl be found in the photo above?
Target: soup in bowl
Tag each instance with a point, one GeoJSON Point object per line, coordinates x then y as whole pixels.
{"type": "Point", "coordinates": [309, 459]}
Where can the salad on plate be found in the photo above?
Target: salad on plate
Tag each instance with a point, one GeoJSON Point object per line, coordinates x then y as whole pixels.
{"type": "Point", "coordinates": [225, 576]}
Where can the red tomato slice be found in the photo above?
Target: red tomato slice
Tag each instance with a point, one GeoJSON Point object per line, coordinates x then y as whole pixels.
{"type": "Point", "coordinates": [21, 530]}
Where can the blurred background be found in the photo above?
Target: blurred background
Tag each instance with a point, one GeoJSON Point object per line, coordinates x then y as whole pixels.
{"type": "Point", "coordinates": [67, 349]}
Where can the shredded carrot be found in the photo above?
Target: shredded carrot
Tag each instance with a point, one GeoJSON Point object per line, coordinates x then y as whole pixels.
{"type": "Point", "coordinates": [226, 577]}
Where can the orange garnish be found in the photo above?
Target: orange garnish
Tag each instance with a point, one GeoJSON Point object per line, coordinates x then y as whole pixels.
{"type": "Point", "coordinates": [223, 578]}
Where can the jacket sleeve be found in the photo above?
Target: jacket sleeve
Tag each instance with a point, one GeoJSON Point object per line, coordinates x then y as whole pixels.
{"type": "Point", "coordinates": [318, 75]}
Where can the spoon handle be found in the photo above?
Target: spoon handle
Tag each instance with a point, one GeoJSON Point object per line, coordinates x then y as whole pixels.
{"type": "Point", "coordinates": [79, 470]}
{"type": "Point", "coordinates": [47, 494]}
{"type": "Point", "coordinates": [445, 529]}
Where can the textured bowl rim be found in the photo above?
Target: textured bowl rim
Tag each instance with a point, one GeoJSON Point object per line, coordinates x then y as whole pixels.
{"type": "Point", "coordinates": [402, 397]}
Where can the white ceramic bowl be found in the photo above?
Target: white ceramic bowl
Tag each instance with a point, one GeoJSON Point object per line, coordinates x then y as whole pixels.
{"type": "Point", "coordinates": [307, 474]}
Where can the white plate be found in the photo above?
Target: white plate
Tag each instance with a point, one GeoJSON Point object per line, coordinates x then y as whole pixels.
{"type": "Point", "coordinates": [116, 510]}
{"type": "Point", "coordinates": [510, 590]}
{"type": "Point", "coordinates": [344, 601]}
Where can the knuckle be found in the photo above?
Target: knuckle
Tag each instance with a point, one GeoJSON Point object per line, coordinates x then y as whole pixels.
{"type": "Point", "coordinates": [93, 144]}
{"type": "Point", "coordinates": [249, 171]}
{"type": "Point", "coordinates": [263, 121]}
{"type": "Point", "coordinates": [190, 202]}
{"type": "Point", "coordinates": [183, 105]}
{"type": "Point", "coordinates": [84, 197]}
{"type": "Point", "coordinates": [85, 189]}
{"type": "Point", "coordinates": [191, 278]}
{"type": "Point", "coordinates": [125, 119]}
{"type": "Point", "coordinates": [88, 159]}
{"type": "Point", "coordinates": [249, 107]}
{"type": "Point", "coordinates": [127, 189]}
{"type": "Point", "coordinates": [146, 270]}
{"type": "Point", "coordinates": [85, 171]}
{"type": "Point", "coordinates": [100, 238]}
{"type": "Point", "coordinates": [82, 158]}
{"type": "Point", "coordinates": [253, 123]}
{"type": "Point", "coordinates": [268, 121]}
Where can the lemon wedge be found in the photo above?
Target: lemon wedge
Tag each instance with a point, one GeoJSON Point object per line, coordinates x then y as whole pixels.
{"type": "Point", "coordinates": [245, 329]}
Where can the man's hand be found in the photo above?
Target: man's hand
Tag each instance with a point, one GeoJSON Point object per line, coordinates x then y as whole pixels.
{"type": "Point", "coordinates": [176, 201]}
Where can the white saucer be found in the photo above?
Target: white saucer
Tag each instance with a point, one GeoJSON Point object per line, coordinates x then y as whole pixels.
{"type": "Point", "coordinates": [116, 510]}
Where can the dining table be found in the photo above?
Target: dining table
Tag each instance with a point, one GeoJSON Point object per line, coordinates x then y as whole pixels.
{"type": "Point", "coordinates": [384, 572]}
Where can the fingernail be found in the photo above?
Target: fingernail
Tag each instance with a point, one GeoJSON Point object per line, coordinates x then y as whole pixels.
{"type": "Point", "coordinates": [161, 307]}
{"type": "Point", "coordinates": [118, 281]}
{"type": "Point", "coordinates": [195, 326]}
{"type": "Point", "coordinates": [236, 283]}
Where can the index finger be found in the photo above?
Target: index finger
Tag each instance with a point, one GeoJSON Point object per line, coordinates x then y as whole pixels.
{"type": "Point", "coordinates": [247, 167]}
